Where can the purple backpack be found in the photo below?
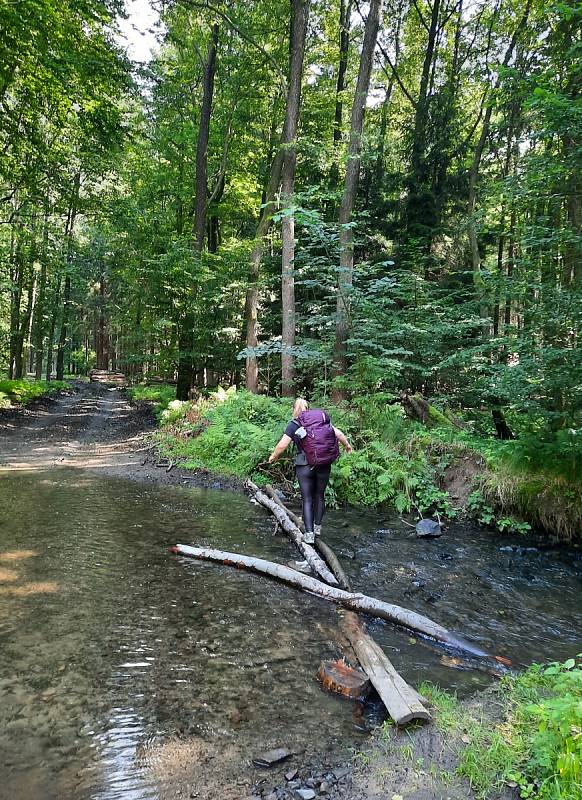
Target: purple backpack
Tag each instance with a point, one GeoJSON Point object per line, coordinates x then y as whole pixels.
{"type": "Point", "coordinates": [320, 445]}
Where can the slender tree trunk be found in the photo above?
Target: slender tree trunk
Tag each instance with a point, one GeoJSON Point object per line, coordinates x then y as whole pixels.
{"type": "Point", "coordinates": [67, 290]}
{"type": "Point", "coordinates": [252, 296]}
{"type": "Point", "coordinates": [418, 215]}
{"type": "Point", "coordinates": [186, 338]}
{"type": "Point", "coordinates": [102, 349]}
{"type": "Point", "coordinates": [478, 281]}
{"type": "Point", "coordinates": [16, 278]}
{"type": "Point", "coordinates": [202, 145]}
{"type": "Point", "coordinates": [39, 321]}
{"type": "Point", "coordinates": [573, 249]}
{"type": "Point", "coordinates": [346, 271]}
{"type": "Point", "coordinates": [19, 355]}
{"type": "Point", "coordinates": [298, 33]}
{"type": "Point", "coordinates": [344, 49]}
{"type": "Point", "coordinates": [53, 325]}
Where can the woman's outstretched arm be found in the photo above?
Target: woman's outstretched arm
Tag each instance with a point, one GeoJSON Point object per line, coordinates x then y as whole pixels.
{"type": "Point", "coordinates": [341, 437]}
{"type": "Point", "coordinates": [282, 445]}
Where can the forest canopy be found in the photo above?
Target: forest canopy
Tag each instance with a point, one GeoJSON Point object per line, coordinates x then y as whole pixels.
{"type": "Point", "coordinates": [324, 197]}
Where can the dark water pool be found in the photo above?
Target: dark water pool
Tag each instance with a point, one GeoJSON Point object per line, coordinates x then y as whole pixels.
{"type": "Point", "coordinates": [126, 672]}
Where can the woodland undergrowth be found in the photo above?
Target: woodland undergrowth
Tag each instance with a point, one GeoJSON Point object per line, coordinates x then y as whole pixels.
{"type": "Point", "coordinates": [396, 463]}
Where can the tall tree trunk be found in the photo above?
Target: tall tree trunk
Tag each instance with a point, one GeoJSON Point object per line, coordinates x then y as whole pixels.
{"type": "Point", "coordinates": [298, 32]}
{"type": "Point", "coordinates": [16, 280]}
{"type": "Point", "coordinates": [478, 281]}
{"type": "Point", "coordinates": [39, 317]}
{"type": "Point", "coordinates": [67, 290]}
{"type": "Point", "coordinates": [202, 145]}
{"type": "Point", "coordinates": [418, 207]}
{"type": "Point", "coordinates": [19, 355]}
{"type": "Point", "coordinates": [186, 338]}
{"type": "Point", "coordinates": [53, 325]}
{"type": "Point", "coordinates": [344, 48]}
{"type": "Point", "coordinates": [252, 296]}
{"type": "Point", "coordinates": [270, 188]}
{"type": "Point", "coordinates": [102, 348]}
{"type": "Point", "coordinates": [346, 271]}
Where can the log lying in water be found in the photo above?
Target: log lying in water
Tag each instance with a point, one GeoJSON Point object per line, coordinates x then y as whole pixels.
{"type": "Point", "coordinates": [402, 702]}
{"type": "Point", "coordinates": [350, 600]}
{"type": "Point", "coordinates": [280, 513]}
{"type": "Point", "coordinates": [328, 555]}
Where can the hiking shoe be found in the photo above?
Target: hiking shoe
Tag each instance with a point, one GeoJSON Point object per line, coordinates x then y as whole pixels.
{"type": "Point", "coordinates": [309, 537]}
{"type": "Point", "coordinates": [317, 530]}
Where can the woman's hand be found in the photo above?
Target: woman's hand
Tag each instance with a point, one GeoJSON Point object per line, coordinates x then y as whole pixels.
{"type": "Point", "coordinates": [282, 445]}
{"type": "Point", "coordinates": [341, 437]}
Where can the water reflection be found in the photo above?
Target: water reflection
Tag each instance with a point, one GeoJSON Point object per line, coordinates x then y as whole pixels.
{"type": "Point", "coordinates": [128, 673]}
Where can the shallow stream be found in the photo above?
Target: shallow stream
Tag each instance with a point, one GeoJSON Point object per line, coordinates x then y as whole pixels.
{"type": "Point", "coordinates": [126, 672]}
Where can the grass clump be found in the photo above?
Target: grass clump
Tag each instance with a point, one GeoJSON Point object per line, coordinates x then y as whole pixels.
{"type": "Point", "coordinates": [160, 395]}
{"type": "Point", "coordinates": [536, 746]}
{"type": "Point", "coordinates": [21, 392]}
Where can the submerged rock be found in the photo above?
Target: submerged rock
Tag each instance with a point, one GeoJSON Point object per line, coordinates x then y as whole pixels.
{"type": "Point", "coordinates": [428, 528]}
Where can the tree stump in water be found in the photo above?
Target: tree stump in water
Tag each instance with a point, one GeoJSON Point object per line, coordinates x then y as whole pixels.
{"type": "Point", "coordinates": [340, 678]}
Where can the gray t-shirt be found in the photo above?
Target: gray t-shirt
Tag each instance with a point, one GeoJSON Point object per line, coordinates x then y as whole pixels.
{"type": "Point", "coordinates": [291, 432]}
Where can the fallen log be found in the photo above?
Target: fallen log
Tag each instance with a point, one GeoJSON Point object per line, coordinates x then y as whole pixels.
{"type": "Point", "coordinates": [328, 555]}
{"type": "Point", "coordinates": [350, 600]}
{"type": "Point", "coordinates": [280, 513]}
{"type": "Point", "coordinates": [402, 701]}
{"type": "Point", "coordinates": [292, 516]}
{"type": "Point", "coordinates": [497, 666]}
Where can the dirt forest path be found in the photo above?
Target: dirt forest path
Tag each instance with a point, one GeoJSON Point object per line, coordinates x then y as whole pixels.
{"type": "Point", "coordinates": [93, 427]}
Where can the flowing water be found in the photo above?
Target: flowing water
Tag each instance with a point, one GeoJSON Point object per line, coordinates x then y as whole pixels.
{"type": "Point", "coordinates": [126, 672]}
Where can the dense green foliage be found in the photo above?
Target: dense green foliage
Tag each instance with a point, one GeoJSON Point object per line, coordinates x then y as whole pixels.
{"type": "Point", "coordinates": [467, 221]}
{"type": "Point", "coordinates": [22, 392]}
{"type": "Point", "coordinates": [234, 433]}
{"type": "Point", "coordinates": [396, 461]}
{"type": "Point", "coordinates": [159, 395]}
{"type": "Point", "coordinates": [537, 744]}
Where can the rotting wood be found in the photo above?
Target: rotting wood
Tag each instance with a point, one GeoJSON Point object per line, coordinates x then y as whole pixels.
{"type": "Point", "coordinates": [340, 678]}
{"type": "Point", "coordinates": [353, 601]}
{"type": "Point", "coordinates": [309, 553]}
{"type": "Point", "coordinates": [402, 701]}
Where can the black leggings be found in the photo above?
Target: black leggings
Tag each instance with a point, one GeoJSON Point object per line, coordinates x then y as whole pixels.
{"type": "Point", "coordinates": [312, 482]}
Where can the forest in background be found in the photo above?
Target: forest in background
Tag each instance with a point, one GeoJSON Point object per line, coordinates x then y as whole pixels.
{"type": "Point", "coordinates": [347, 200]}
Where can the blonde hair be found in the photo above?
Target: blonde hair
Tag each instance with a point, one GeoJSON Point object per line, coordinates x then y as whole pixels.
{"type": "Point", "coordinates": [299, 405]}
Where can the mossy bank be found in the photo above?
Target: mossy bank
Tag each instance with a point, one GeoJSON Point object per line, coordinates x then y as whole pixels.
{"type": "Point", "coordinates": [435, 467]}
